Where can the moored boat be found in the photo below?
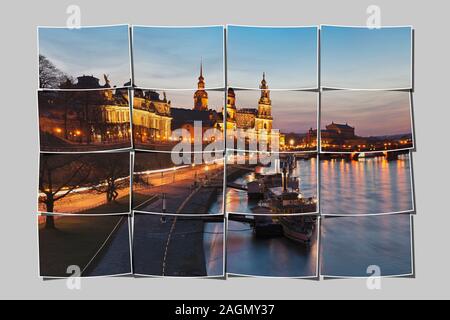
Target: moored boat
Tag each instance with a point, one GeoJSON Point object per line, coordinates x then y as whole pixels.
{"type": "Point", "coordinates": [298, 228]}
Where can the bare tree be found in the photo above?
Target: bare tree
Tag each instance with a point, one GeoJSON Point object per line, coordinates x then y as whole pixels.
{"type": "Point", "coordinates": [49, 75]}
{"type": "Point", "coordinates": [113, 171]}
{"type": "Point", "coordinates": [55, 183]}
{"type": "Point", "coordinates": [68, 100]}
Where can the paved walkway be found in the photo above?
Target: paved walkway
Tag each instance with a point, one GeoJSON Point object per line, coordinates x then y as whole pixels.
{"type": "Point", "coordinates": [181, 194]}
{"type": "Point", "coordinates": [170, 248]}
{"type": "Point", "coordinates": [115, 257]}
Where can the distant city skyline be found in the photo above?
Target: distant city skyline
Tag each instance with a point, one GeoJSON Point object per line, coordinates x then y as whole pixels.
{"type": "Point", "coordinates": [362, 58]}
{"type": "Point", "coordinates": [170, 57]}
{"type": "Point", "coordinates": [288, 55]}
{"type": "Point", "coordinates": [372, 113]}
{"type": "Point", "coordinates": [292, 111]}
{"type": "Point", "coordinates": [185, 98]}
{"type": "Point", "coordinates": [89, 51]}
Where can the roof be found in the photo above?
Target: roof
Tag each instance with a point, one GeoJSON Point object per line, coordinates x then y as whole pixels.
{"type": "Point", "coordinates": [248, 111]}
{"type": "Point", "coordinates": [340, 126]}
{"type": "Point", "coordinates": [182, 116]}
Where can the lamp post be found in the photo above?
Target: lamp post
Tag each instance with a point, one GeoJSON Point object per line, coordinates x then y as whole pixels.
{"type": "Point", "coordinates": [164, 205]}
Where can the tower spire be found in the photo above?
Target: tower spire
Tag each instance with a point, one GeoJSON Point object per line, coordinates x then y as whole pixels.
{"type": "Point", "coordinates": [263, 82]}
{"type": "Point", "coordinates": [201, 80]}
{"type": "Point", "coordinates": [201, 96]}
{"type": "Point", "coordinates": [265, 93]}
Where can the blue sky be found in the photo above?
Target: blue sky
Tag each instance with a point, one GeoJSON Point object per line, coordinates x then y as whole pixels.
{"type": "Point", "coordinates": [372, 113]}
{"type": "Point", "coordinates": [170, 58]}
{"type": "Point", "coordinates": [89, 51]}
{"type": "Point", "coordinates": [287, 55]}
{"type": "Point", "coordinates": [362, 58]}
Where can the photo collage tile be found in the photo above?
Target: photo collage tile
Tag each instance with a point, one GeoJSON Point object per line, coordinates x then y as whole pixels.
{"type": "Point", "coordinates": [226, 151]}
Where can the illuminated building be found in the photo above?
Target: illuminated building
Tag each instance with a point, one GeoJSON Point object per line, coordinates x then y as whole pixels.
{"type": "Point", "coordinates": [251, 118]}
{"type": "Point", "coordinates": [263, 120]}
{"type": "Point", "coordinates": [201, 96]}
{"type": "Point", "coordinates": [88, 116]}
{"type": "Point", "coordinates": [258, 120]}
{"type": "Point", "coordinates": [152, 118]}
{"type": "Point", "coordinates": [342, 131]}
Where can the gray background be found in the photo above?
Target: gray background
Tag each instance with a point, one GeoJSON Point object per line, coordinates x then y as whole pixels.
{"type": "Point", "coordinates": [19, 133]}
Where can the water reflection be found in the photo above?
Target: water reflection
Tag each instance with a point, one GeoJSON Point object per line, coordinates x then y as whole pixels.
{"type": "Point", "coordinates": [305, 170]}
{"type": "Point", "coordinates": [213, 245]}
{"type": "Point", "coordinates": [367, 186]}
{"type": "Point", "coordinates": [272, 257]}
{"type": "Point", "coordinates": [349, 245]}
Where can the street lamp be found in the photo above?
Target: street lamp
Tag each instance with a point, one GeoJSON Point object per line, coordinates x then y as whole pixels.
{"type": "Point", "coordinates": [291, 142]}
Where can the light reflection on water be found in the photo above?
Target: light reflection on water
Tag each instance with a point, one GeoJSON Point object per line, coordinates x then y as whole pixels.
{"type": "Point", "coordinates": [305, 170]}
{"type": "Point", "coordinates": [368, 186]}
{"type": "Point", "coordinates": [349, 244]}
{"type": "Point", "coordinates": [214, 248]}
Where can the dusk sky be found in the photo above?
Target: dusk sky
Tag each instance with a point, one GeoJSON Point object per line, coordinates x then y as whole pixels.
{"type": "Point", "coordinates": [372, 113]}
{"type": "Point", "coordinates": [292, 111]}
{"type": "Point", "coordinates": [169, 57]}
{"type": "Point", "coordinates": [287, 55]}
{"type": "Point", "coordinates": [361, 58]}
{"type": "Point", "coordinates": [185, 98]}
{"type": "Point", "coordinates": [89, 51]}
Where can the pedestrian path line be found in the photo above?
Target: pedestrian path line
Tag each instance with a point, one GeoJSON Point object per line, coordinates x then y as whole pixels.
{"type": "Point", "coordinates": [181, 207]}
{"type": "Point", "coordinates": [172, 228]}
{"type": "Point", "coordinates": [102, 246]}
{"type": "Point", "coordinates": [146, 201]}
{"type": "Point", "coordinates": [166, 249]}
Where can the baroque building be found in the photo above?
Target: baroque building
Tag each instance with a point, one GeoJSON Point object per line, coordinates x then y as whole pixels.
{"type": "Point", "coordinates": [264, 118]}
{"type": "Point", "coordinates": [231, 110]}
{"type": "Point", "coordinates": [201, 96]}
{"type": "Point", "coordinates": [155, 118]}
{"type": "Point", "coordinates": [258, 119]}
{"type": "Point", "coordinates": [89, 116]}
{"type": "Point", "coordinates": [109, 119]}
{"type": "Point", "coordinates": [335, 135]}
{"type": "Point", "coordinates": [343, 131]}
{"type": "Point", "coordinates": [152, 119]}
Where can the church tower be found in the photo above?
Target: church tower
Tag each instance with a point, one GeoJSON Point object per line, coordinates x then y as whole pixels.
{"type": "Point", "coordinates": [231, 110]}
{"type": "Point", "coordinates": [201, 96]}
{"type": "Point", "coordinates": [231, 105]}
{"type": "Point", "coordinates": [264, 117]}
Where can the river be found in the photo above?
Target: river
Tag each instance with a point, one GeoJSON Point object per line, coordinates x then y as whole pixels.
{"type": "Point", "coordinates": [349, 244]}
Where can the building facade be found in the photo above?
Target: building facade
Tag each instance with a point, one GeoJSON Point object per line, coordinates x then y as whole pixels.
{"type": "Point", "coordinates": [201, 96]}
{"type": "Point", "coordinates": [152, 120]}
{"type": "Point", "coordinates": [259, 119]}
{"type": "Point", "coordinates": [89, 116]}
{"type": "Point", "coordinates": [264, 118]}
